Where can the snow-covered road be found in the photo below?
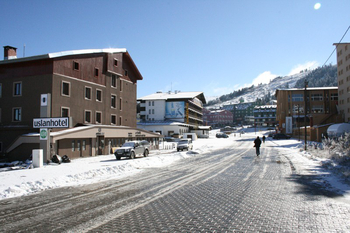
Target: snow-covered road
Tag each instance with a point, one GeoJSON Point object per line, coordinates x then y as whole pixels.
{"type": "Point", "coordinates": [95, 169]}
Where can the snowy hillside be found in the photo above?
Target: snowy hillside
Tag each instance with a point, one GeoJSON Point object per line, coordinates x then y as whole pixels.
{"type": "Point", "coordinates": [263, 89]}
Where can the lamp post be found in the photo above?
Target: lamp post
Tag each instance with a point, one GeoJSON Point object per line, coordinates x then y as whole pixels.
{"type": "Point", "coordinates": [305, 111]}
{"type": "Point", "coordinates": [298, 123]}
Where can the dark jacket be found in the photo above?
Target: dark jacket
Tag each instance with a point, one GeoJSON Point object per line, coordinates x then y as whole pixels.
{"type": "Point", "coordinates": [257, 142]}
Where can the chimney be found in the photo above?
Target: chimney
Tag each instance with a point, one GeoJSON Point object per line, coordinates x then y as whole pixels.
{"type": "Point", "coordinates": [10, 52]}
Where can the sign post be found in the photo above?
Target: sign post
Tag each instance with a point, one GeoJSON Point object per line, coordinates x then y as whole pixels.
{"type": "Point", "coordinates": [45, 123]}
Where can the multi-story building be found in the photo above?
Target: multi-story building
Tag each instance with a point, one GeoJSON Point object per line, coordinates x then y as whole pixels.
{"type": "Point", "coordinates": [180, 109]}
{"type": "Point", "coordinates": [218, 118]}
{"type": "Point", "coordinates": [243, 113]}
{"type": "Point", "coordinates": [321, 106]}
{"type": "Point", "coordinates": [343, 66]}
{"type": "Point", "coordinates": [265, 115]}
{"type": "Point", "coordinates": [96, 88]}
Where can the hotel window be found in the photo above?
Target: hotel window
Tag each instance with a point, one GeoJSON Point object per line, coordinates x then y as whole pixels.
{"type": "Point", "coordinates": [65, 88]}
{"type": "Point", "coordinates": [114, 81]}
{"type": "Point", "coordinates": [96, 72]}
{"type": "Point", "coordinates": [75, 65]}
{"type": "Point", "coordinates": [64, 112]}
{"type": "Point", "coordinates": [88, 93]}
{"type": "Point", "coordinates": [99, 95]}
{"type": "Point", "coordinates": [297, 97]}
{"type": "Point", "coordinates": [120, 104]}
{"type": "Point", "coordinates": [316, 97]}
{"type": "Point", "coordinates": [113, 119]}
{"type": "Point", "coordinates": [114, 101]}
{"type": "Point", "coordinates": [125, 72]}
{"type": "Point", "coordinates": [78, 145]}
{"type": "Point", "coordinates": [334, 96]}
{"type": "Point", "coordinates": [87, 116]}
{"type": "Point", "coordinates": [120, 120]}
{"type": "Point", "coordinates": [317, 109]}
{"type": "Point", "coordinates": [84, 145]}
{"type": "Point", "coordinates": [17, 114]}
{"type": "Point", "coordinates": [98, 117]}
{"type": "Point", "coordinates": [73, 145]}
{"type": "Point", "coordinates": [120, 85]}
{"type": "Point", "coordinates": [17, 88]}
{"type": "Point", "coordinates": [115, 62]}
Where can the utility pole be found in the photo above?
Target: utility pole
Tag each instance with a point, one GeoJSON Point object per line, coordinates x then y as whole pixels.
{"type": "Point", "coordinates": [305, 111]}
{"type": "Point", "coordinates": [298, 121]}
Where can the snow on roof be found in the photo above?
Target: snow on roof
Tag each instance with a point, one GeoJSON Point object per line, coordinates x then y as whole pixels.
{"type": "Point", "coordinates": [66, 53]}
{"type": "Point", "coordinates": [309, 89]}
{"type": "Point", "coordinates": [265, 106]}
{"type": "Point", "coordinates": [86, 51]}
{"type": "Point", "coordinates": [162, 123]}
{"type": "Point", "coordinates": [171, 95]}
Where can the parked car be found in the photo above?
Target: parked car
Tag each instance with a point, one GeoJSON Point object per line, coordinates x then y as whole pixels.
{"type": "Point", "coordinates": [280, 136]}
{"type": "Point", "coordinates": [184, 144]}
{"type": "Point", "coordinates": [132, 149]}
{"type": "Point", "coordinates": [221, 135]}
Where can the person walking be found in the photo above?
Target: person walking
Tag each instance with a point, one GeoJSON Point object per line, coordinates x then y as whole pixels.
{"type": "Point", "coordinates": [264, 138]}
{"type": "Point", "coordinates": [257, 143]}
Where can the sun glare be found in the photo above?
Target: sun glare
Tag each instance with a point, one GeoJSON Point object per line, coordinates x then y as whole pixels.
{"type": "Point", "coordinates": [317, 6]}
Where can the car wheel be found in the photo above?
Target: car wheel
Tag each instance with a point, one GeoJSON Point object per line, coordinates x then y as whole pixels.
{"type": "Point", "coordinates": [178, 150]}
{"type": "Point", "coordinates": [132, 155]}
{"type": "Point", "coordinates": [146, 153]}
{"type": "Point", "coordinates": [118, 158]}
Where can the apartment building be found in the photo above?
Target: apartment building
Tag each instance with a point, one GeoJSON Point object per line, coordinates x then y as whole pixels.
{"type": "Point", "coordinates": [171, 113]}
{"type": "Point", "coordinates": [265, 115]}
{"type": "Point", "coordinates": [321, 106]}
{"type": "Point", "coordinates": [343, 67]}
{"type": "Point", "coordinates": [243, 113]}
{"type": "Point", "coordinates": [218, 118]}
{"type": "Point", "coordinates": [95, 88]}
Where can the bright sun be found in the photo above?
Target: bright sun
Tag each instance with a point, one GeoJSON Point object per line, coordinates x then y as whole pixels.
{"type": "Point", "coordinates": [317, 6]}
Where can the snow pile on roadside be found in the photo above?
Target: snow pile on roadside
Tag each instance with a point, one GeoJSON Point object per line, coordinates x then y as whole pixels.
{"type": "Point", "coordinates": [94, 169]}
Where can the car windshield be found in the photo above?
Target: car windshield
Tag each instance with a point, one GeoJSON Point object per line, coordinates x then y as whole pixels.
{"type": "Point", "coordinates": [183, 142]}
{"type": "Point", "coordinates": [129, 144]}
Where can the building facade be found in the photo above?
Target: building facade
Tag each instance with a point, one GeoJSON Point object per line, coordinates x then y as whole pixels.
{"type": "Point", "coordinates": [243, 113]}
{"type": "Point", "coordinates": [167, 109]}
{"type": "Point", "coordinates": [343, 68]}
{"type": "Point", "coordinates": [265, 115]}
{"type": "Point", "coordinates": [218, 118]}
{"type": "Point", "coordinates": [91, 87]}
{"type": "Point", "coordinates": [321, 106]}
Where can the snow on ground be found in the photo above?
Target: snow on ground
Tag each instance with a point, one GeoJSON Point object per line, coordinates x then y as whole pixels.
{"type": "Point", "coordinates": [94, 169]}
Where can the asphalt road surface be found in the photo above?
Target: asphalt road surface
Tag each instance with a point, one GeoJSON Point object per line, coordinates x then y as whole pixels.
{"type": "Point", "coordinates": [224, 191]}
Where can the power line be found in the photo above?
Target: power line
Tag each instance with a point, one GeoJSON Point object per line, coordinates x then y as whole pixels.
{"type": "Point", "coordinates": [337, 45]}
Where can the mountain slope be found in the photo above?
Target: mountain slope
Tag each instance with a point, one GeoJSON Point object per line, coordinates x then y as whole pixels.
{"type": "Point", "coordinates": [254, 92]}
{"type": "Point", "coordinates": [319, 77]}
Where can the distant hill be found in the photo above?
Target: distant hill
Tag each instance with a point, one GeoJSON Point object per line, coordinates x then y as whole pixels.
{"type": "Point", "coordinates": [263, 93]}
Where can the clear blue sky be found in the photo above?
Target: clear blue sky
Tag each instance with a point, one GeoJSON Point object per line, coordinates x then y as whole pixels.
{"type": "Point", "coordinates": [214, 46]}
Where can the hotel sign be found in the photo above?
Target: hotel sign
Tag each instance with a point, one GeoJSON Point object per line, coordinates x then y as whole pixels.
{"type": "Point", "coordinates": [58, 122]}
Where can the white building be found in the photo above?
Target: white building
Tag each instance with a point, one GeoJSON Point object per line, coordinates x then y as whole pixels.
{"type": "Point", "coordinates": [170, 113]}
